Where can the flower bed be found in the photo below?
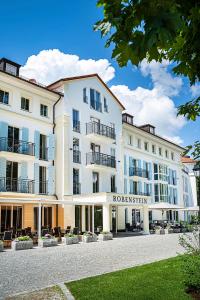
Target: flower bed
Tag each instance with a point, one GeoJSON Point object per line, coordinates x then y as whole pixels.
{"type": "Point", "coordinates": [89, 237]}
{"type": "Point", "coordinates": [22, 243]}
{"type": "Point", "coordinates": [47, 241]}
{"type": "Point", "coordinates": [1, 246]}
{"type": "Point", "coordinates": [105, 236]}
{"type": "Point", "coordinates": [70, 239]}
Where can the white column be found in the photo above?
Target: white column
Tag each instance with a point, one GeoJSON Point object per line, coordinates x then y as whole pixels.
{"type": "Point", "coordinates": [83, 217]}
{"type": "Point", "coordinates": [89, 222]}
{"type": "Point", "coordinates": [39, 219]}
{"type": "Point", "coordinates": [106, 217]}
{"type": "Point", "coordinates": [93, 218]}
{"type": "Point", "coordinates": [145, 220]}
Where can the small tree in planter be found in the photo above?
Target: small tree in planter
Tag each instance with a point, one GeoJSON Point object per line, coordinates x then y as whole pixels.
{"type": "Point", "coordinates": [1, 246]}
{"type": "Point", "coordinates": [47, 241]}
{"type": "Point", "coordinates": [89, 237]}
{"type": "Point", "coordinates": [22, 243]}
{"type": "Point", "coordinates": [70, 239]}
{"type": "Point", "coordinates": [105, 236]}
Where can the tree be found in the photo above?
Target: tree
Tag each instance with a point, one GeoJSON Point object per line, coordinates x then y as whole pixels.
{"type": "Point", "coordinates": [156, 30]}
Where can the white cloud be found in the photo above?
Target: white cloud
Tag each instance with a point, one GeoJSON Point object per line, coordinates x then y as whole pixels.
{"type": "Point", "coordinates": [195, 90]}
{"type": "Point", "coordinates": [50, 65]}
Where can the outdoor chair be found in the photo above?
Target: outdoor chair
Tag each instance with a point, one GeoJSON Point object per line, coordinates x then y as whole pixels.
{"type": "Point", "coordinates": [75, 230]}
{"type": "Point", "coordinates": [68, 229]}
{"type": "Point", "coordinates": [23, 232]}
{"type": "Point", "coordinates": [45, 231]}
{"type": "Point", "coordinates": [7, 239]}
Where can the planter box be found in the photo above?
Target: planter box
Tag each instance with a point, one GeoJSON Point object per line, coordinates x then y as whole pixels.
{"type": "Point", "coordinates": [105, 237]}
{"type": "Point", "coordinates": [1, 247]}
{"type": "Point", "coordinates": [170, 230]}
{"type": "Point", "coordinates": [89, 238]}
{"type": "Point", "coordinates": [183, 230]}
{"type": "Point", "coordinates": [70, 240]}
{"type": "Point", "coordinates": [47, 242]}
{"type": "Point", "coordinates": [176, 230]}
{"type": "Point", "coordinates": [22, 245]}
{"type": "Point", "coordinates": [162, 231]}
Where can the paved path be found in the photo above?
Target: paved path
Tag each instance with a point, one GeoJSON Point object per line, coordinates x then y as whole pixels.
{"type": "Point", "coordinates": [28, 270]}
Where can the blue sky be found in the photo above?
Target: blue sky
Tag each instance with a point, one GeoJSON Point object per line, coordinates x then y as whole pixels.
{"type": "Point", "coordinates": [28, 27]}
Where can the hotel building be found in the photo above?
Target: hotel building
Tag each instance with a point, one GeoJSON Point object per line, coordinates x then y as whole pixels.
{"type": "Point", "coordinates": [71, 156]}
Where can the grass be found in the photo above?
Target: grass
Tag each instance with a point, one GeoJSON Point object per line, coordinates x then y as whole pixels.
{"type": "Point", "coordinates": [161, 280]}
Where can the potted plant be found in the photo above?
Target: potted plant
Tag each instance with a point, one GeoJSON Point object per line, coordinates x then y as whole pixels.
{"type": "Point", "coordinates": [47, 241]}
{"type": "Point", "coordinates": [22, 243]}
{"type": "Point", "coordinates": [1, 246]}
{"type": "Point", "coordinates": [89, 237]}
{"type": "Point", "coordinates": [70, 239]}
{"type": "Point", "coordinates": [105, 236]}
{"type": "Point", "coordinates": [159, 230]}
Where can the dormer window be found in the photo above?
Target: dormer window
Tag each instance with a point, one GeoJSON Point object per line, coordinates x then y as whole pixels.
{"type": "Point", "coordinates": [95, 100]}
{"type": "Point", "coordinates": [9, 66]}
{"type": "Point", "coordinates": [105, 105]}
{"type": "Point", "coordinates": [4, 97]}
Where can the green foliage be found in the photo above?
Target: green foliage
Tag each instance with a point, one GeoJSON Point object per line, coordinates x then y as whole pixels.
{"type": "Point", "coordinates": [191, 272]}
{"type": "Point", "coordinates": [190, 242]}
{"type": "Point", "coordinates": [70, 235]}
{"type": "Point", "coordinates": [23, 238]}
{"type": "Point", "coordinates": [156, 30]}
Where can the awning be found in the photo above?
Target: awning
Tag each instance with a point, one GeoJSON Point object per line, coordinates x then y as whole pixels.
{"type": "Point", "coordinates": [164, 206]}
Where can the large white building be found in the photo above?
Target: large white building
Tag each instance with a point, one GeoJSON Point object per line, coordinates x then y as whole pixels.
{"type": "Point", "coordinates": [69, 150]}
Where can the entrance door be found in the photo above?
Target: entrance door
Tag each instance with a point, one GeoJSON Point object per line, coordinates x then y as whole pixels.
{"type": "Point", "coordinates": [135, 216]}
{"type": "Point", "coordinates": [78, 217]}
{"type": "Point", "coordinates": [13, 139]}
{"type": "Point", "coordinates": [11, 176]}
{"type": "Point", "coordinates": [114, 219]}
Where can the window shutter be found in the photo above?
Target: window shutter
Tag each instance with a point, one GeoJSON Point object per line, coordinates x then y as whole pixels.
{"type": "Point", "coordinates": [125, 186]}
{"type": "Point", "coordinates": [145, 187]}
{"type": "Point", "coordinates": [125, 166]}
{"type": "Point", "coordinates": [51, 149]}
{"type": "Point", "coordinates": [131, 186]}
{"type": "Point", "coordinates": [3, 130]}
{"type": "Point", "coordinates": [36, 177]}
{"type": "Point", "coordinates": [140, 186]}
{"type": "Point", "coordinates": [2, 174]}
{"type": "Point", "coordinates": [25, 134]}
{"type": "Point", "coordinates": [150, 171]}
{"type": "Point", "coordinates": [37, 143]}
{"type": "Point", "coordinates": [150, 189]}
{"type": "Point", "coordinates": [51, 180]}
{"type": "Point", "coordinates": [24, 170]}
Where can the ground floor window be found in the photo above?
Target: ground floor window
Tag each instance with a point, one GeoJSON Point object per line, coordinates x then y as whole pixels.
{"type": "Point", "coordinates": [78, 217]}
{"type": "Point", "coordinates": [135, 216]}
{"type": "Point", "coordinates": [98, 218]}
{"type": "Point", "coordinates": [10, 217]}
{"type": "Point", "coordinates": [150, 216]}
{"type": "Point", "coordinates": [46, 216]}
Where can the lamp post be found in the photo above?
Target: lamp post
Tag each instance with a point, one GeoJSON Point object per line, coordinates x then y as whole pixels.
{"type": "Point", "coordinates": [196, 171]}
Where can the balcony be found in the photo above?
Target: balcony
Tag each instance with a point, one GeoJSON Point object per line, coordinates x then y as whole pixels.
{"type": "Point", "coordinates": [138, 172]}
{"type": "Point", "coordinates": [16, 146]}
{"type": "Point", "coordinates": [140, 193]}
{"type": "Point", "coordinates": [26, 186]}
{"type": "Point", "coordinates": [100, 159]}
{"type": "Point", "coordinates": [76, 126]}
{"type": "Point", "coordinates": [76, 156]}
{"type": "Point", "coordinates": [96, 128]}
{"type": "Point", "coordinates": [43, 187]}
{"type": "Point", "coordinates": [76, 188]}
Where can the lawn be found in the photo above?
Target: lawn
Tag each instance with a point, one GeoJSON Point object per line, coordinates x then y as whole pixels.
{"type": "Point", "coordinates": [156, 281]}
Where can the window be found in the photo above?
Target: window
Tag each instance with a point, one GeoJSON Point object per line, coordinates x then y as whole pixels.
{"type": "Point", "coordinates": [129, 139]}
{"type": "Point", "coordinates": [161, 192]}
{"type": "Point", "coordinates": [25, 104]}
{"type": "Point", "coordinates": [138, 143]}
{"type": "Point", "coordinates": [172, 155]}
{"type": "Point", "coordinates": [4, 97]}
{"type": "Point", "coordinates": [43, 110]}
{"type": "Point", "coordinates": [76, 184]}
{"type": "Point", "coordinates": [85, 99]}
{"type": "Point", "coordinates": [76, 122]}
{"type": "Point", "coordinates": [105, 105]}
{"type": "Point", "coordinates": [160, 151]}
{"type": "Point", "coordinates": [95, 100]}
{"type": "Point", "coordinates": [161, 172]}
{"type": "Point", "coordinates": [43, 147]}
{"type": "Point", "coordinates": [112, 152]}
{"type": "Point", "coordinates": [42, 181]}
{"type": "Point", "coordinates": [76, 152]}
{"type": "Point", "coordinates": [95, 179]}
{"type": "Point", "coordinates": [166, 154]}
{"type": "Point", "coordinates": [154, 149]}
{"type": "Point", "coordinates": [112, 184]}
{"type": "Point", "coordinates": [146, 146]}
{"type": "Point", "coordinates": [11, 69]}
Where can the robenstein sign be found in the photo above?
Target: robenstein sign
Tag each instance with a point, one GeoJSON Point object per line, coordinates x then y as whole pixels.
{"type": "Point", "coordinates": [129, 199]}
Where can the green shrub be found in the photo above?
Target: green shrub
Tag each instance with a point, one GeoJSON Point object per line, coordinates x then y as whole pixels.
{"type": "Point", "coordinates": [191, 271]}
{"type": "Point", "coordinates": [70, 235]}
{"type": "Point", "coordinates": [23, 238]}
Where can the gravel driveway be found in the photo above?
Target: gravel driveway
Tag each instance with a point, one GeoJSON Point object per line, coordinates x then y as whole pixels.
{"type": "Point", "coordinates": [28, 270]}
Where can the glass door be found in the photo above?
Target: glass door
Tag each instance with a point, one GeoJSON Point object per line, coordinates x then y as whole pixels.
{"type": "Point", "coordinates": [114, 219]}
{"type": "Point", "coordinates": [13, 139]}
{"type": "Point", "coordinates": [11, 176]}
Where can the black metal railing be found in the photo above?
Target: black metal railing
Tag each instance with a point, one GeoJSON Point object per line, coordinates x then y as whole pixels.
{"type": "Point", "coordinates": [43, 153]}
{"type": "Point", "coordinates": [16, 146]}
{"type": "Point", "coordinates": [138, 172]}
{"type": "Point", "coordinates": [96, 105]}
{"type": "Point", "coordinates": [76, 126]}
{"type": "Point", "coordinates": [101, 129]}
{"type": "Point", "coordinates": [76, 188]}
{"type": "Point", "coordinates": [17, 185]}
{"type": "Point", "coordinates": [77, 156]}
{"type": "Point", "coordinates": [100, 159]}
{"type": "Point", "coordinates": [140, 193]}
{"type": "Point", "coordinates": [43, 187]}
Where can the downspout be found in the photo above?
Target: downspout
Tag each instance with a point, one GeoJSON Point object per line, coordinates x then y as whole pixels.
{"type": "Point", "coordinates": [54, 125]}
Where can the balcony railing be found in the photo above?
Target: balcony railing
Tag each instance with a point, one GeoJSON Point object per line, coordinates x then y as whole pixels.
{"type": "Point", "coordinates": [138, 172]}
{"type": "Point", "coordinates": [100, 159]}
{"type": "Point", "coordinates": [43, 153]}
{"type": "Point", "coordinates": [16, 146]}
{"type": "Point", "coordinates": [76, 156]}
{"type": "Point", "coordinates": [101, 129]}
{"type": "Point", "coordinates": [43, 187]}
{"type": "Point", "coordinates": [140, 193]}
{"type": "Point", "coordinates": [76, 188]}
{"type": "Point", "coordinates": [17, 185]}
{"type": "Point", "coordinates": [76, 126]}
{"type": "Point", "coordinates": [96, 105]}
